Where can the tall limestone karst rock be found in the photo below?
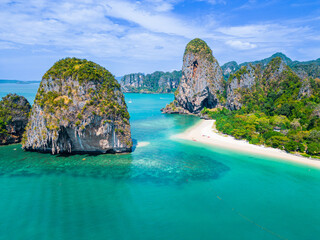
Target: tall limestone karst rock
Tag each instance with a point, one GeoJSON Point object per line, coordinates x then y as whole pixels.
{"type": "Point", "coordinates": [201, 83]}
{"type": "Point", "coordinates": [79, 108]}
{"type": "Point", "coordinates": [14, 112]}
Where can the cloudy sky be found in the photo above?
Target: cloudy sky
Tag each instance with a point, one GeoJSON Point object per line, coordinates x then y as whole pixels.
{"type": "Point", "coordinates": [147, 35]}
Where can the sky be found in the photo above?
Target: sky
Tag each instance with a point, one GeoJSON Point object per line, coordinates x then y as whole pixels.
{"type": "Point", "coordinates": [127, 36]}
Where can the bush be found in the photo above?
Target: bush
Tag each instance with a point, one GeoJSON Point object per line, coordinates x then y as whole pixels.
{"type": "Point", "coordinates": [291, 146]}
{"type": "Point", "coordinates": [270, 134]}
{"type": "Point", "coordinates": [313, 148]}
{"type": "Point", "coordinates": [277, 141]}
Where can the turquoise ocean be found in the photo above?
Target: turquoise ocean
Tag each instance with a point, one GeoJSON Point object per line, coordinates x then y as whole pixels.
{"type": "Point", "coordinates": [168, 189]}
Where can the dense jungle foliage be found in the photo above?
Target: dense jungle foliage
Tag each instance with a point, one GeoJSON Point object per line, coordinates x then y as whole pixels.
{"type": "Point", "coordinates": [280, 111]}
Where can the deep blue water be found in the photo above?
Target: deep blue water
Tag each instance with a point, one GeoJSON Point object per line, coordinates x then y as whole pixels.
{"type": "Point", "coordinates": [165, 190]}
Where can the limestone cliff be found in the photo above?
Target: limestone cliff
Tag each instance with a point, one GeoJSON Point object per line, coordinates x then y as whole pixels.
{"type": "Point", "coordinates": [229, 68]}
{"type": "Point", "coordinates": [132, 82]}
{"type": "Point", "coordinates": [79, 108]}
{"type": "Point", "coordinates": [244, 78]}
{"type": "Point", "coordinates": [157, 82]}
{"type": "Point", "coordinates": [201, 81]}
{"type": "Point", "coordinates": [14, 112]}
{"type": "Point", "coordinates": [251, 81]}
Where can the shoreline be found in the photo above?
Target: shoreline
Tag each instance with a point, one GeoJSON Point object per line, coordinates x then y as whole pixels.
{"type": "Point", "coordinates": [205, 132]}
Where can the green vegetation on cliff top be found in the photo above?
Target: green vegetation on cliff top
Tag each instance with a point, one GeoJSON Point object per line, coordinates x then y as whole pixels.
{"type": "Point", "coordinates": [310, 68]}
{"type": "Point", "coordinates": [198, 46]}
{"type": "Point", "coordinates": [81, 70]}
{"type": "Point", "coordinates": [101, 100]}
{"type": "Point", "coordinates": [275, 113]}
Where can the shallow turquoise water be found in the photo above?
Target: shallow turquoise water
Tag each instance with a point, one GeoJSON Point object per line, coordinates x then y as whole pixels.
{"type": "Point", "coordinates": [165, 190]}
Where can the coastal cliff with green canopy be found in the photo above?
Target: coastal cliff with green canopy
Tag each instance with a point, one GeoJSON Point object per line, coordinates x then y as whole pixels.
{"type": "Point", "coordinates": [79, 107]}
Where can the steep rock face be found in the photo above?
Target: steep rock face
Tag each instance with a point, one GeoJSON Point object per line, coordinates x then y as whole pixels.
{"type": "Point", "coordinates": [306, 89]}
{"type": "Point", "coordinates": [201, 80]}
{"type": "Point", "coordinates": [157, 82]}
{"type": "Point", "coordinates": [132, 82]}
{"type": "Point", "coordinates": [169, 83]}
{"type": "Point", "coordinates": [79, 108]}
{"type": "Point", "coordinates": [251, 81]}
{"type": "Point", "coordinates": [229, 68]}
{"type": "Point", "coordinates": [14, 112]}
{"type": "Point", "coordinates": [245, 78]}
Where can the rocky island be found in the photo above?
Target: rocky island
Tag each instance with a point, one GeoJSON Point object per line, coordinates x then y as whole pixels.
{"type": "Point", "coordinates": [201, 83]}
{"type": "Point", "coordinates": [14, 112]}
{"type": "Point", "coordinates": [79, 108]}
{"type": "Point", "coordinates": [157, 82]}
{"type": "Point", "coordinates": [265, 102]}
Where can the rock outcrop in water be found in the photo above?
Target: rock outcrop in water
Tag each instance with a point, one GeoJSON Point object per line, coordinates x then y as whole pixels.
{"type": "Point", "coordinates": [14, 112]}
{"type": "Point", "coordinates": [201, 83]}
{"type": "Point", "coordinates": [79, 108]}
{"type": "Point", "coordinates": [157, 82]}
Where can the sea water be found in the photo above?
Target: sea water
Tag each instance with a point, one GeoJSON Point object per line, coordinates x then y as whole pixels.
{"type": "Point", "coordinates": [164, 189]}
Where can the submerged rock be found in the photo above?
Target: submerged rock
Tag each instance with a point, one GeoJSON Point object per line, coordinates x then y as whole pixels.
{"type": "Point", "coordinates": [79, 108]}
{"type": "Point", "coordinates": [14, 112]}
{"type": "Point", "coordinates": [201, 80]}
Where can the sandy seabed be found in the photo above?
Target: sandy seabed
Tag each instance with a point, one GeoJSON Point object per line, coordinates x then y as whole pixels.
{"type": "Point", "coordinates": [205, 132]}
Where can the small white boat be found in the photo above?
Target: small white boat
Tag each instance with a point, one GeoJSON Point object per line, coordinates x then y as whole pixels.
{"type": "Point", "coordinates": [130, 101]}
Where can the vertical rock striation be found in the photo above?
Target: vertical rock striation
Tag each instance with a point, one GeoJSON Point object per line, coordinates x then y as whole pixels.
{"type": "Point", "coordinates": [132, 82]}
{"type": "Point", "coordinates": [79, 108]}
{"type": "Point", "coordinates": [201, 82]}
{"type": "Point", "coordinates": [157, 82]}
{"type": "Point", "coordinates": [14, 112]}
{"type": "Point", "coordinates": [244, 78]}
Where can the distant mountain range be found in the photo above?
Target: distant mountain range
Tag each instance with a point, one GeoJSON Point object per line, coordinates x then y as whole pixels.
{"type": "Point", "coordinates": [302, 69]}
{"type": "Point", "coordinates": [166, 82]}
{"type": "Point", "coordinates": [17, 81]}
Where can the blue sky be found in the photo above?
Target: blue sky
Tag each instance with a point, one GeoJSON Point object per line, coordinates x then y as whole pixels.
{"type": "Point", "coordinates": [148, 35]}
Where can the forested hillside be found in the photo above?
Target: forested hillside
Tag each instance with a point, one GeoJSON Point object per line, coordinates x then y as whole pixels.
{"type": "Point", "coordinates": [278, 109]}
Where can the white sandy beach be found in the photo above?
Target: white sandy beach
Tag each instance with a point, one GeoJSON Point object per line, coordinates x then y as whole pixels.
{"type": "Point", "coordinates": [205, 132]}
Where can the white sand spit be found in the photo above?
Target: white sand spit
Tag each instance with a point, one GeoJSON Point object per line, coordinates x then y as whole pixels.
{"type": "Point", "coordinates": [205, 132]}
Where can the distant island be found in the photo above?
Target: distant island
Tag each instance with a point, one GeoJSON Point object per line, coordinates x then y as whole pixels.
{"type": "Point", "coordinates": [265, 102]}
{"type": "Point", "coordinates": [157, 82]}
{"type": "Point", "coordinates": [2, 81]}
{"type": "Point", "coordinates": [79, 108]}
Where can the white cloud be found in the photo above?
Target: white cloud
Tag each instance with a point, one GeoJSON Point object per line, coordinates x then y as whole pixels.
{"type": "Point", "coordinates": [152, 21]}
{"type": "Point", "coordinates": [7, 45]}
{"type": "Point", "coordinates": [237, 44]}
{"type": "Point", "coordinates": [213, 2]}
{"type": "Point", "coordinates": [136, 32]}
